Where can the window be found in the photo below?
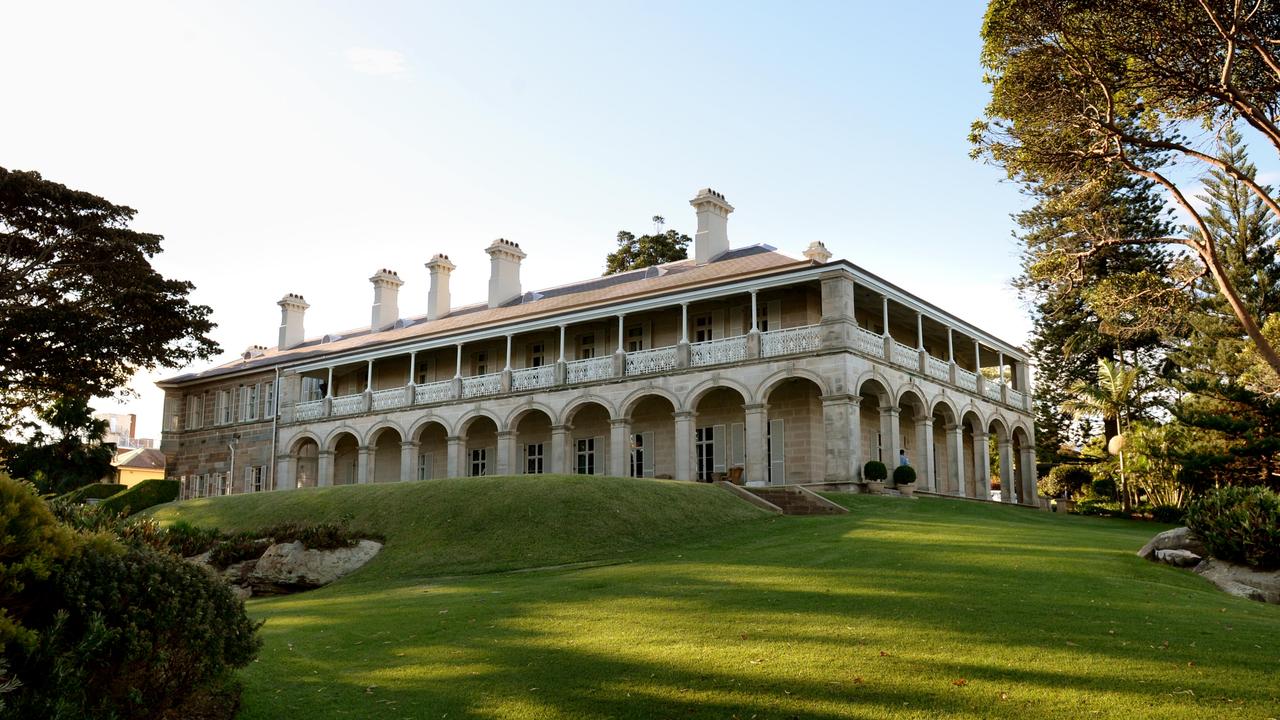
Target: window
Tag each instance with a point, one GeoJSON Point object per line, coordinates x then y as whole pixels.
{"type": "Point", "coordinates": [533, 459]}
{"type": "Point", "coordinates": [586, 347]}
{"type": "Point", "coordinates": [762, 318]}
{"type": "Point", "coordinates": [195, 410]}
{"type": "Point", "coordinates": [269, 401]}
{"type": "Point", "coordinates": [635, 338]}
{"type": "Point", "coordinates": [880, 447]}
{"type": "Point", "coordinates": [421, 371]}
{"type": "Point", "coordinates": [172, 414]}
{"type": "Point", "coordinates": [255, 478]}
{"type": "Point", "coordinates": [202, 484]}
{"type": "Point", "coordinates": [480, 363]}
{"type": "Point", "coordinates": [312, 389]}
{"type": "Point", "coordinates": [704, 443]}
{"type": "Point", "coordinates": [775, 451]}
{"type": "Point", "coordinates": [642, 455]}
{"type": "Point", "coordinates": [425, 461]}
{"type": "Point", "coordinates": [586, 456]}
{"type": "Point", "coordinates": [479, 462]}
{"type": "Point", "coordinates": [222, 407]}
{"type": "Point", "coordinates": [249, 402]}
{"type": "Point", "coordinates": [537, 356]}
{"type": "Point", "coordinates": [702, 331]}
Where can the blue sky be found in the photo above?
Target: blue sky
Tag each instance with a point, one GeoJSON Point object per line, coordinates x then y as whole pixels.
{"type": "Point", "coordinates": [298, 147]}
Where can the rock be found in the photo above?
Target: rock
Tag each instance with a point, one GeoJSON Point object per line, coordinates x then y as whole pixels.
{"type": "Point", "coordinates": [1176, 539]}
{"type": "Point", "coordinates": [242, 592]}
{"type": "Point", "coordinates": [238, 573]}
{"type": "Point", "coordinates": [1241, 581]}
{"type": "Point", "coordinates": [289, 567]}
{"type": "Point", "coordinates": [1179, 558]}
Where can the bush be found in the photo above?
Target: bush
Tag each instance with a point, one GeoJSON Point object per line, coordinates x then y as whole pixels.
{"type": "Point", "coordinates": [237, 548]}
{"type": "Point", "coordinates": [1100, 508]}
{"type": "Point", "coordinates": [1104, 488]}
{"type": "Point", "coordinates": [1064, 481]}
{"type": "Point", "coordinates": [904, 475]}
{"type": "Point", "coordinates": [184, 539]}
{"type": "Point", "coordinates": [94, 491]}
{"type": "Point", "coordinates": [1168, 514]}
{"type": "Point", "coordinates": [142, 496]}
{"type": "Point", "coordinates": [135, 531]}
{"type": "Point", "coordinates": [128, 633]}
{"type": "Point", "coordinates": [32, 542]}
{"type": "Point", "coordinates": [874, 470]}
{"type": "Point", "coordinates": [320, 536]}
{"type": "Point", "coordinates": [1239, 525]}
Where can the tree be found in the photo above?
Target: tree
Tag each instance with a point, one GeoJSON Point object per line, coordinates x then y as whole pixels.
{"type": "Point", "coordinates": [1117, 395]}
{"type": "Point", "coordinates": [81, 308]}
{"type": "Point", "coordinates": [647, 250]}
{"type": "Point", "coordinates": [1081, 87]}
{"type": "Point", "coordinates": [74, 457]}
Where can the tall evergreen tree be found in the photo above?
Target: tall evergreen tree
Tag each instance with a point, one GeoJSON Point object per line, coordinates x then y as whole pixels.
{"type": "Point", "coordinates": [647, 250]}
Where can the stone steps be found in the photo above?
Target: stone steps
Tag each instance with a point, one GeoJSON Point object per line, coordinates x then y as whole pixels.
{"type": "Point", "coordinates": [797, 501]}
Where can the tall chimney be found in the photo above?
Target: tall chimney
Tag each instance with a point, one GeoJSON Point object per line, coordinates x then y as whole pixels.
{"type": "Point", "coordinates": [504, 271]}
{"type": "Point", "coordinates": [438, 299]}
{"type": "Point", "coordinates": [386, 305]}
{"type": "Point", "coordinates": [292, 308]}
{"type": "Point", "coordinates": [712, 237]}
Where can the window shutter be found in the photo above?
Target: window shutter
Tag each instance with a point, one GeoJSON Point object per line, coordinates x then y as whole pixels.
{"type": "Point", "coordinates": [777, 453]}
{"type": "Point", "coordinates": [738, 444]}
{"type": "Point", "coordinates": [735, 321]}
{"type": "Point", "coordinates": [718, 443]}
{"type": "Point", "coordinates": [649, 453]}
{"type": "Point", "coordinates": [717, 324]}
{"type": "Point", "coordinates": [773, 312]}
{"type": "Point", "coordinates": [601, 456]}
{"type": "Point", "coordinates": [248, 479]}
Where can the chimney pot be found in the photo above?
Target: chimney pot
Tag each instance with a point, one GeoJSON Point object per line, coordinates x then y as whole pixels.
{"type": "Point", "coordinates": [504, 271]}
{"type": "Point", "coordinates": [712, 238]}
{"type": "Point", "coordinates": [817, 252]}
{"type": "Point", "coordinates": [438, 297]}
{"type": "Point", "coordinates": [386, 305]}
{"type": "Point", "coordinates": [292, 309]}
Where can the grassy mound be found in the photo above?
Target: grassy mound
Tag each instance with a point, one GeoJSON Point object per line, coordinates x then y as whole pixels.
{"type": "Point", "coordinates": [93, 491]}
{"type": "Point", "coordinates": [145, 494]}
{"type": "Point", "coordinates": [473, 525]}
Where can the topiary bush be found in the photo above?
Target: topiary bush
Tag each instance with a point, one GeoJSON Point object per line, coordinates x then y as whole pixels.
{"type": "Point", "coordinates": [874, 470]}
{"type": "Point", "coordinates": [142, 496]}
{"type": "Point", "coordinates": [904, 475]}
{"type": "Point", "coordinates": [94, 491]}
{"type": "Point", "coordinates": [1064, 481]}
{"type": "Point", "coordinates": [1239, 525]}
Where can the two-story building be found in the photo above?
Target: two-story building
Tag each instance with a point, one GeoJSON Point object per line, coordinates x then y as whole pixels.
{"type": "Point", "coordinates": [795, 370]}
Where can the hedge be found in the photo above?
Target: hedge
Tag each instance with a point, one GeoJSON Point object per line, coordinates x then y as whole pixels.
{"type": "Point", "coordinates": [93, 491]}
{"type": "Point", "coordinates": [142, 496]}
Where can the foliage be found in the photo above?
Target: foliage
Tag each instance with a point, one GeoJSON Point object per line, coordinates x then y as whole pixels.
{"type": "Point", "coordinates": [874, 470]}
{"type": "Point", "coordinates": [142, 496]}
{"type": "Point", "coordinates": [237, 548]}
{"type": "Point", "coordinates": [1080, 88]}
{"type": "Point", "coordinates": [1168, 514]}
{"type": "Point", "coordinates": [75, 457]}
{"type": "Point", "coordinates": [1099, 508]}
{"type": "Point", "coordinates": [186, 540]}
{"type": "Point", "coordinates": [646, 251]}
{"type": "Point", "coordinates": [32, 543]}
{"type": "Point", "coordinates": [317, 536]}
{"type": "Point", "coordinates": [1064, 481]}
{"type": "Point", "coordinates": [68, 260]}
{"type": "Point", "coordinates": [92, 491]}
{"type": "Point", "coordinates": [1103, 488]}
{"type": "Point", "coordinates": [904, 475]}
{"type": "Point", "coordinates": [1239, 525]}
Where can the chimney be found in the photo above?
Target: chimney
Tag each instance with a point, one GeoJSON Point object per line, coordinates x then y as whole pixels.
{"type": "Point", "coordinates": [438, 300]}
{"type": "Point", "coordinates": [712, 237]}
{"type": "Point", "coordinates": [817, 252]}
{"type": "Point", "coordinates": [292, 308]}
{"type": "Point", "coordinates": [504, 271]}
{"type": "Point", "coordinates": [386, 307]}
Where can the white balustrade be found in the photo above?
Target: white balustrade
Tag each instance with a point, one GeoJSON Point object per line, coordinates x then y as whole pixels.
{"type": "Point", "coordinates": [991, 388]}
{"type": "Point", "coordinates": [905, 355]}
{"type": "Point", "coordinates": [533, 378]}
{"type": "Point", "coordinates": [718, 352]}
{"type": "Point", "coordinates": [477, 385]}
{"type": "Point", "coordinates": [348, 404]}
{"type": "Point", "coordinates": [310, 410]}
{"type": "Point", "coordinates": [433, 392]}
{"type": "Point", "coordinates": [966, 380]}
{"type": "Point", "coordinates": [868, 342]}
{"type": "Point", "coordinates": [579, 371]}
{"type": "Point", "coordinates": [790, 341]}
{"type": "Point", "coordinates": [387, 399]}
{"type": "Point", "coordinates": [655, 360]}
{"type": "Point", "coordinates": [938, 369]}
{"type": "Point", "coordinates": [1017, 398]}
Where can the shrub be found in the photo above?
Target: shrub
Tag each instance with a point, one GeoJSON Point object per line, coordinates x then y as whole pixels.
{"type": "Point", "coordinates": [142, 496]}
{"type": "Point", "coordinates": [319, 536]}
{"type": "Point", "coordinates": [184, 539]}
{"type": "Point", "coordinates": [1239, 525]}
{"type": "Point", "coordinates": [1168, 514]}
{"type": "Point", "coordinates": [1104, 488]}
{"type": "Point", "coordinates": [128, 632]}
{"type": "Point", "coordinates": [874, 470]}
{"type": "Point", "coordinates": [93, 491]}
{"type": "Point", "coordinates": [135, 531]}
{"type": "Point", "coordinates": [237, 548]}
{"type": "Point", "coordinates": [32, 542]}
{"type": "Point", "coordinates": [1099, 508]}
{"type": "Point", "coordinates": [904, 475]}
{"type": "Point", "coordinates": [1064, 481]}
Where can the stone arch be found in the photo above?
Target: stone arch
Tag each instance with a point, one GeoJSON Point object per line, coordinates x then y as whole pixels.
{"type": "Point", "coordinates": [431, 437]}
{"type": "Point", "coordinates": [588, 429]}
{"type": "Point", "coordinates": [776, 379]}
{"type": "Point", "coordinates": [331, 440]}
{"type": "Point", "coordinates": [878, 430]}
{"type": "Point", "coordinates": [996, 425]}
{"type": "Point", "coordinates": [706, 386]}
{"type": "Point", "coordinates": [879, 386]}
{"type": "Point", "coordinates": [532, 439]}
{"type": "Point", "coordinates": [948, 443]}
{"type": "Point", "coordinates": [719, 432]}
{"type": "Point", "coordinates": [795, 439]}
{"type": "Point", "coordinates": [346, 457]}
{"type": "Point", "coordinates": [628, 406]}
{"type": "Point", "coordinates": [422, 423]}
{"type": "Point", "coordinates": [977, 471]}
{"type": "Point", "coordinates": [515, 416]}
{"type": "Point", "coordinates": [464, 423]}
{"type": "Point", "coordinates": [479, 430]}
{"type": "Point", "coordinates": [378, 428]}
{"type": "Point", "coordinates": [1024, 464]}
{"type": "Point", "coordinates": [304, 456]}
{"type": "Point", "coordinates": [385, 453]}
{"type": "Point", "coordinates": [943, 407]}
{"type": "Point", "coordinates": [303, 436]}
{"type": "Point", "coordinates": [915, 436]}
{"type": "Point", "coordinates": [998, 428]}
{"type": "Point", "coordinates": [572, 407]}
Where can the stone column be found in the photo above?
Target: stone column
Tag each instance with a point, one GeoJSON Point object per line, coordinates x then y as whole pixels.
{"type": "Point", "coordinates": [982, 473]}
{"type": "Point", "coordinates": [506, 451]}
{"type": "Point", "coordinates": [684, 445]}
{"type": "Point", "coordinates": [955, 458]}
{"type": "Point", "coordinates": [619, 446]}
{"type": "Point", "coordinates": [324, 468]}
{"type": "Point", "coordinates": [285, 473]}
{"type": "Point", "coordinates": [364, 466]}
{"type": "Point", "coordinates": [756, 419]}
{"type": "Point", "coordinates": [408, 460]}
{"type": "Point", "coordinates": [1027, 464]}
{"type": "Point", "coordinates": [1005, 448]}
{"type": "Point", "coordinates": [890, 440]}
{"type": "Point", "coordinates": [840, 466]}
{"type": "Point", "coordinates": [683, 356]}
{"type": "Point", "coordinates": [924, 438]}
{"type": "Point", "coordinates": [454, 464]}
{"type": "Point", "coordinates": [559, 438]}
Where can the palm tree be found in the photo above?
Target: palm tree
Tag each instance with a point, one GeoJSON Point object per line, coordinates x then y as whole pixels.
{"type": "Point", "coordinates": [1113, 397]}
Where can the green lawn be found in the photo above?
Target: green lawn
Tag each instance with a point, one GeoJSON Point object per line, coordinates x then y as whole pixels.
{"type": "Point", "coordinates": [900, 609]}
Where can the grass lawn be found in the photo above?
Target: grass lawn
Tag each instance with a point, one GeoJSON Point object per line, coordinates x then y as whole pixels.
{"type": "Point", "coordinates": [900, 609]}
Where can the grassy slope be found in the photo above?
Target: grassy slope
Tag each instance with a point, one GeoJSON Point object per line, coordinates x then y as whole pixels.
{"type": "Point", "coordinates": [897, 610]}
{"type": "Point", "coordinates": [488, 524]}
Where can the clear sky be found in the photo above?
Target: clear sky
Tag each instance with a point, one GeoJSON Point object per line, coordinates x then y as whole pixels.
{"type": "Point", "coordinates": [300, 146]}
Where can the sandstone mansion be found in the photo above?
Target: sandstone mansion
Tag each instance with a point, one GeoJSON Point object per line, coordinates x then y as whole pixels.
{"type": "Point", "coordinates": [742, 361]}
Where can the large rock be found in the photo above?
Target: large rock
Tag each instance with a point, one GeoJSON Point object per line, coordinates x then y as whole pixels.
{"type": "Point", "coordinates": [1176, 539]}
{"type": "Point", "coordinates": [289, 567]}
{"type": "Point", "coordinates": [1242, 581]}
{"type": "Point", "coordinates": [1179, 558]}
